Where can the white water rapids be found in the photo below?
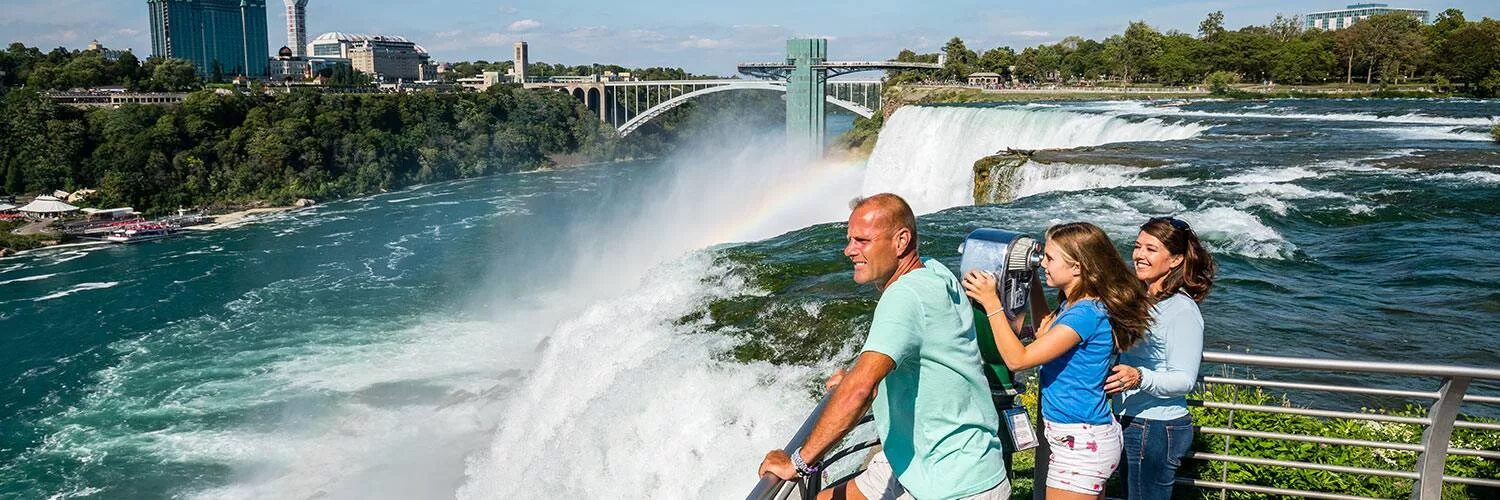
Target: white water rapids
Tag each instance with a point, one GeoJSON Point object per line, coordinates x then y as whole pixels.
{"type": "Point", "coordinates": [926, 154]}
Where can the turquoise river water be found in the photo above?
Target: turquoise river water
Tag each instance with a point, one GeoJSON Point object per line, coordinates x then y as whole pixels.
{"type": "Point", "coordinates": [649, 329]}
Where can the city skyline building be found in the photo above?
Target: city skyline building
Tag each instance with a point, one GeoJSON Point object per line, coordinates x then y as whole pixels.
{"type": "Point", "coordinates": [387, 58]}
{"type": "Point", "coordinates": [296, 27]}
{"type": "Point", "coordinates": [1334, 20]}
{"type": "Point", "coordinates": [231, 33]}
{"type": "Point", "coordinates": [519, 62]}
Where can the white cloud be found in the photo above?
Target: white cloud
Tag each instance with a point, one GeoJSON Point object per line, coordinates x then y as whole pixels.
{"type": "Point", "coordinates": [588, 32]}
{"type": "Point", "coordinates": [448, 34]}
{"type": "Point", "coordinates": [524, 25]}
{"type": "Point", "coordinates": [697, 42]}
{"type": "Point", "coordinates": [507, 9]}
{"type": "Point", "coordinates": [1030, 33]}
{"type": "Point", "coordinates": [494, 39]}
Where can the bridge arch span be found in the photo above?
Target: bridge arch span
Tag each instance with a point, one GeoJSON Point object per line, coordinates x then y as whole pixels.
{"type": "Point", "coordinates": [670, 104]}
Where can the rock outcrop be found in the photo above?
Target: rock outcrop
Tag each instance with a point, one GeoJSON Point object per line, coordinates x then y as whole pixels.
{"type": "Point", "coordinates": [996, 175]}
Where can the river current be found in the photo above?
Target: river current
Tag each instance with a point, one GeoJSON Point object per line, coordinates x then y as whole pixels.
{"type": "Point", "coordinates": [649, 329]}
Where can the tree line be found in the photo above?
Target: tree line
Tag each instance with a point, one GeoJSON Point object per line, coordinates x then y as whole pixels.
{"type": "Point", "coordinates": [62, 69]}
{"type": "Point", "coordinates": [1452, 53]}
{"type": "Point", "coordinates": [469, 69]}
{"type": "Point", "coordinates": [220, 148]}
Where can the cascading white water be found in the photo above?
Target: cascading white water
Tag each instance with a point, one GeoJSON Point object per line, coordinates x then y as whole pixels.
{"type": "Point", "coordinates": [926, 154]}
{"type": "Point", "coordinates": [623, 401]}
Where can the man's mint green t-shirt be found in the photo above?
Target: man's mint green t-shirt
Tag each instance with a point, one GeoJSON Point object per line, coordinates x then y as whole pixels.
{"type": "Point", "coordinates": [933, 411]}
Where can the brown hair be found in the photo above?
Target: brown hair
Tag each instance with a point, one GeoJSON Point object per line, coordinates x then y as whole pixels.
{"type": "Point", "coordinates": [1196, 274]}
{"type": "Point", "coordinates": [1103, 274]}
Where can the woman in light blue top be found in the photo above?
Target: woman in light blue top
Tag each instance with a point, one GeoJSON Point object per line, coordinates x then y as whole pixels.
{"type": "Point", "coordinates": [1152, 379]}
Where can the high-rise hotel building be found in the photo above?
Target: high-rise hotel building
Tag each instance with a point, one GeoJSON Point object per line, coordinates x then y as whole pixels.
{"type": "Point", "coordinates": [230, 32]}
{"type": "Point", "coordinates": [296, 27]}
{"type": "Point", "coordinates": [1333, 20]}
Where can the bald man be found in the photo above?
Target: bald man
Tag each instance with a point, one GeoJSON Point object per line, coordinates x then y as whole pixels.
{"type": "Point", "coordinates": [919, 371]}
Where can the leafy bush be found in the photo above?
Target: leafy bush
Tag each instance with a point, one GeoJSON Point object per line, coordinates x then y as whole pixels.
{"type": "Point", "coordinates": [1317, 480]}
{"type": "Point", "coordinates": [1221, 82]}
{"type": "Point", "coordinates": [15, 241]}
{"type": "Point", "coordinates": [1302, 479]}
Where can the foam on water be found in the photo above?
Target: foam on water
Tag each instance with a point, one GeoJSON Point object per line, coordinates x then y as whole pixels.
{"type": "Point", "coordinates": [1226, 229]}
{"type": "Point", "coordinates": [1433, 134]}
{"type": "Point", "coordinates": [1036, 178]}
{"type": "Point", "coordinates": [926, 154]}
{"type": "Point", "coordinates": [1268, 175]}
{"type": "Point", "coordinates": [596, 402]}
{"type": "Point", "coordinates": [1475, 177]}
{"type": "Point", "coordinates": [81, 287]}
{"type": "Point", "coordinates": [37, 277]}
{"type": "Point", "coordinates": [1133, 107]}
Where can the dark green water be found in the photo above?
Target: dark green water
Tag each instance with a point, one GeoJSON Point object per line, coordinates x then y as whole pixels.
{"type": "Point", "coordinates": [565, 330]}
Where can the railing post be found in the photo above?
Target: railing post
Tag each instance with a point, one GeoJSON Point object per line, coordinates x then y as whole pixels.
{"type": "Point", "coordinates": [1430, 463]}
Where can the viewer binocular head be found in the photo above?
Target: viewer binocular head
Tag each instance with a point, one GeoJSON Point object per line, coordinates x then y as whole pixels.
{"type": "Point", "coordinates": [1013, 258]}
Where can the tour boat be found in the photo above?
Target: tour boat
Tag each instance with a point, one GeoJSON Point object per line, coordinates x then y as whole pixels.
{"type": "Point", "coordinates": [142, 232]}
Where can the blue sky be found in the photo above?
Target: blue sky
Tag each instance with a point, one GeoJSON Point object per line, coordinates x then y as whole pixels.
{"type": "Point", "coordinates": [706, 38]}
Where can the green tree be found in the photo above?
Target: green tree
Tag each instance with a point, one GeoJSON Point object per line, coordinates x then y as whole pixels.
{"type": "Point", "coordinates": [1470, 53]}
{"type": "Point", "coordinates": [961, 60]}
{"type": "Point", "coordinates": [997, 60]}
{"type": "Point", "coordinates": [127, 69]}
{"type": "Point", "coordinates": [1395, 44]}
{"type": "Point", "coordinates": [1175, 63]}
{"type": "Point", "coordinates": [1305, 59]}
{"type": "Point", "coordinates": [172, 75]}
{"type": "Point", "coordinates": [1141, 44]}
{"type": "Point", "coordinates": [1212, 26]}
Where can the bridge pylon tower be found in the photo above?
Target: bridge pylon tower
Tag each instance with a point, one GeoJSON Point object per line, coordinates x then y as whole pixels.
{"type": "Point", "coordinates": [806, 72]}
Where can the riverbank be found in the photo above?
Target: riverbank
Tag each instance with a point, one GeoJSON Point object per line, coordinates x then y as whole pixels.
{"type": "Point", "coordinates": [14, 243]}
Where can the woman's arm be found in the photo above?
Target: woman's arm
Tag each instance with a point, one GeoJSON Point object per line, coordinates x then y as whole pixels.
{"type": "Point", "coordinates": [1050, 343]}
{"type": "Point", "coordinates": [1182, 331]}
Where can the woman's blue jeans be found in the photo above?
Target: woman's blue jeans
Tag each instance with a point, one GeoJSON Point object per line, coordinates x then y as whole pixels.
{"type": "Point", "coordinates": [1153, 452]}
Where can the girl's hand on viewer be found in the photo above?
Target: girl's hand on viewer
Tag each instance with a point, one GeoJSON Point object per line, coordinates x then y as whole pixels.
{"type": "Point", "coordinates": [980, 287]}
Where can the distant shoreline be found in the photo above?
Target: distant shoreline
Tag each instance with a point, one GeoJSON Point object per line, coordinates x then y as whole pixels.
{"type": "Point", "coordinates": [222, 221]}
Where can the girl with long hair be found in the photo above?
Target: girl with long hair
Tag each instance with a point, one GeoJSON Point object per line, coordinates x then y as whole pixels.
{"type": "Point", "coordinates": [1102, 310]}
{"type": "Point", "coordinates": [1152, 380]}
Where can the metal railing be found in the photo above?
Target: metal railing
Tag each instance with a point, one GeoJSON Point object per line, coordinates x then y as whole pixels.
{"type": "Point", "coordinates": [1428, 476]}
{"type": "Point", "coordinates": [1442, 417]}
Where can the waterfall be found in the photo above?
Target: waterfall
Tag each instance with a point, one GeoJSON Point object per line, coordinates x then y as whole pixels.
{"type": "Point", "coordinates": [926, 153]}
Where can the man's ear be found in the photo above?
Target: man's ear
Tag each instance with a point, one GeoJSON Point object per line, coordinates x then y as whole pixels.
{"type": "Point", "coordinates": [903, 241]}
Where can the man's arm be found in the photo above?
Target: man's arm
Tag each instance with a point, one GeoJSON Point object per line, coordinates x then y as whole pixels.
{"type": "Point", "coordinates": [848, 403]}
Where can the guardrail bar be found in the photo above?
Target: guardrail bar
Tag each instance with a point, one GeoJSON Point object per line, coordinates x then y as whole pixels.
{"type": "Point", "coordinates": [1316, 413]}
{"type": "Point", "coordinates": [1472, 481]}
{"type": "Point", "coordinates": [1217, 485]}
{"type": "Point", "coordinates": [1342, 469]}
{"type": "Point", "coordinates": [1483, 426]}
{"type": "Point", "coordinates": [1343, 365]}
{"type": "Point", "coordinates": [1321, 387]}
{"type": "Point", "coordinates": [1221, 431]}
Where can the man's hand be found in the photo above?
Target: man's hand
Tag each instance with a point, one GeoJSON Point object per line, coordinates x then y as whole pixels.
{"type": "Point", "coordinates": [777, 462]}
{"type": "Point", "coordinates": [1123, 378]}
{"type": "Point", "coordinates": [834, 379]}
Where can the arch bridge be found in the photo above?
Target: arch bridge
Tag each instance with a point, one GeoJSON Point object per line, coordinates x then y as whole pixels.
{"type": "Point", "coordinates": [803, 76]}
{"type": "Point", "coordinates": [627, 106]}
